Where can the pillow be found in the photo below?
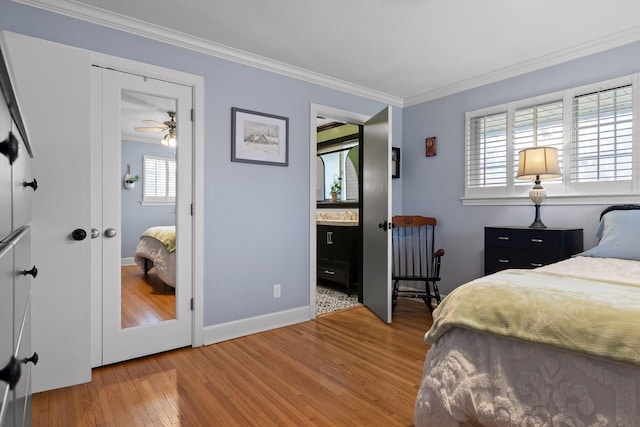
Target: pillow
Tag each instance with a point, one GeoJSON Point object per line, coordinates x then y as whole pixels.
{"type": "Point", "coordinates": [619, 233]}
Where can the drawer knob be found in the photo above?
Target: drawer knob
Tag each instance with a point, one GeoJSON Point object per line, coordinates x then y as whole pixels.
{"type": "Point", "coordinates": [503, 238]}
{"type": "Point", "coordinates": [33, 184]}
{"type": "Point", "coordinates": [11, 373]}
{"type": "Point", "coordinates": [33, 359]}
{"type": "Point", "coordinates": [9, 147]}
{"type": "Point", "coordinates": [33, 272]}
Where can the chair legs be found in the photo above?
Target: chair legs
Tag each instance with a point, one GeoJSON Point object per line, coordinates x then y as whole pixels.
{"type": "Point", "coordinates": [431, 294]}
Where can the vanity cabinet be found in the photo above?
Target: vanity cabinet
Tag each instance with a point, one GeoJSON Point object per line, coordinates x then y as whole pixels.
{"type": "Point", "coordinates": [17, 186]}
{"type": "Point", "coordinates": [337, 254]}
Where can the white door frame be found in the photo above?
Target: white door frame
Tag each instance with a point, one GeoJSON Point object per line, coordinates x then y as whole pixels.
{"type": "Point", "coordinates": [316, 110]}
{"type": "Point", "coordinates": [197, 85]}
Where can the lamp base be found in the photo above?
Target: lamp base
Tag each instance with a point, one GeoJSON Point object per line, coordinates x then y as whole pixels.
{"type": "Point", "coordinates": [537, 222]}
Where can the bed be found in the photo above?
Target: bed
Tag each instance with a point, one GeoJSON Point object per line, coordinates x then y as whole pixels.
{"type": "Point", "coordinates": [554, 346]}
{"type": "Point", "coordinates": [157, 249]}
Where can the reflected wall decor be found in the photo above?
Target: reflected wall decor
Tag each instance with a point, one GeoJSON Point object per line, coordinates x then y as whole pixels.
{"type": "Point", "coordinates": [259, 138]}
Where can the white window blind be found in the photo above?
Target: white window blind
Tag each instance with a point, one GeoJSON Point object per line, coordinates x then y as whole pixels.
{"type": "Point", "coordinates": [487, 150]}
{"type": "Point", "coordinates": [538, 126]}
{"type": "Point", "coordinates": [602, 135]}
{"type": "Point", "coordinates": [159, 180]}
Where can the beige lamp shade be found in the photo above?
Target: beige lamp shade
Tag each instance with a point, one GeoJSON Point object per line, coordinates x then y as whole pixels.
{"type": "Point", "coordinates": [538, 163]}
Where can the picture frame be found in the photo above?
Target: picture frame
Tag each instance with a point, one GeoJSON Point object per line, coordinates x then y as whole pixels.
{"type": "Point", "coordinates": [395, 162]}
{"type": "Point", "coordinates": [259, 138]}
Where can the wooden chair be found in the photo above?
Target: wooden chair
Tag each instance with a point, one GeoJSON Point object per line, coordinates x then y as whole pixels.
{"type": "Point", "coordinates": [416, 264]}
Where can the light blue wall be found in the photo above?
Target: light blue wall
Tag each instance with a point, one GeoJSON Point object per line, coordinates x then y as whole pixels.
{"type": "Point", "coordinates": [135, 217]}
{"type": "Point", "coordinates": [256, 228]}
{"type": "Point", "coordinates": [434, 185]}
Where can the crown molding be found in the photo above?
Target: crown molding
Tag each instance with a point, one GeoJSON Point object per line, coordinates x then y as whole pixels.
{"type": "Point", "coordinates": [155, 32]}
{"type": "Point", "coordinates": [616, 40]}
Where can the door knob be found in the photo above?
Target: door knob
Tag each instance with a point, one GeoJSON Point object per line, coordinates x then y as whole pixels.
{"type": "Point", "coordinates": [33, 184]}
{"type": "Point", "coordinates": [110, 232]}
{"type": "Point", "coordinates": [94, 233]}
{"type": "Point", "coordinates": [383, 225]}
{"type": "Point", "coordinates": [78, 234]}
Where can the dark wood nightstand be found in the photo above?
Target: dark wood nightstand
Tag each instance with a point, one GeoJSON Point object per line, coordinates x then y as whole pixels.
{"type": "Point", "coordinates": [524, 247]}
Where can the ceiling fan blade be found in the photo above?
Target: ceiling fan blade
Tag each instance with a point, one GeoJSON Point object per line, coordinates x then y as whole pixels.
{"type": "Point", "coordinates": [151, 129]}
{"type": "Point", "coordinates": [153, 122]}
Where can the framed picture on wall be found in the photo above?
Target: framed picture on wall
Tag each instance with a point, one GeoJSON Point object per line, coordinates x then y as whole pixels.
{"type": "Point", "coordinates": [259, 138]}
{"type": "Point", "coordinates": [395, 162]}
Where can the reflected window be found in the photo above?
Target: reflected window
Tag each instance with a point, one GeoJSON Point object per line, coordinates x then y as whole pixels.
{"type": "Point", "coordinates": [159, 180]}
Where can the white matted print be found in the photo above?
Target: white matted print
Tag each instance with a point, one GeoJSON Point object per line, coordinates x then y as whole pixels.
{"type": "Point", "coordinates": [259, 138]}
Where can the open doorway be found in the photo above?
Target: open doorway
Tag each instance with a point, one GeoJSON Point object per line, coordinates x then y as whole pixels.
{"type": "Point", "coordinates": [338, 186]}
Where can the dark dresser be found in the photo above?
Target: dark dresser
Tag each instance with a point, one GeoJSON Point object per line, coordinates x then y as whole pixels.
{"type": "Point", "coordinates": [338, 254]}
{"type": "Point", "coordinates": [17, 186]}
{"type": "Point", "coordinates": [524, 247]}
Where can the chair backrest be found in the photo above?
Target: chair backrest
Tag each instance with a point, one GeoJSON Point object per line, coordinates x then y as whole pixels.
{"type": "Point", "coordinates": [413, 247]}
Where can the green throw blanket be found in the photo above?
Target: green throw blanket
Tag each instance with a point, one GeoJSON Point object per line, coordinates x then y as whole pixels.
{"type": "Point", "coordinates": [165, 234]}
{"type": "Point", "coordinates": [574, 313]}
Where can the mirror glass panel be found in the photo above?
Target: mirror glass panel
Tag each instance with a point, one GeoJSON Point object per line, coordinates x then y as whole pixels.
{"type": "Point", "coordinates": [148, 194]}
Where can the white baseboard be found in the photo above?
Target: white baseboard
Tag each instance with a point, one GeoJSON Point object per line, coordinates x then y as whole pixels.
{"type": "Point", "coordinates": [240, 328]}
{"type": "Point", "coordinates": [128, 261]}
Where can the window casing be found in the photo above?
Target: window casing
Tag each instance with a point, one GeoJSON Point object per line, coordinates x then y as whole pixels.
{"type": "Point", "coordinates": [159, 180]}
{"type": "Point", "coordinates": [591, 126]}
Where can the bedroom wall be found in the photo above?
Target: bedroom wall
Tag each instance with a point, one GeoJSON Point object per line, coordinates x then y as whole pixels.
{"type": "Point", "coordinates": [434, 185]}
{"type": "Point", "coordinates": [135, 217]}
{"type": "Point", "coordinates": [256, 217]}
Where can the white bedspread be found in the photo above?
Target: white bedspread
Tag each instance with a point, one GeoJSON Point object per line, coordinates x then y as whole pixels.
{"type": "Point", "coordinates": [474, 378]}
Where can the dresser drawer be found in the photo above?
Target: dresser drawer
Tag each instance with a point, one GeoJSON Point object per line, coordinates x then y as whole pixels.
{"type": "Point", "coordinates": [5, 174]}
{"type": "Point", "coordinates": [22, 403]}
{"type": "Point", "coordinates": [7, 348]}
{"type": "Point", "coordinates": [524, 247]}
{"type": "Point", "coordinates": [521, 238]}
{"type": "Point", "coordinates": [22, 282]}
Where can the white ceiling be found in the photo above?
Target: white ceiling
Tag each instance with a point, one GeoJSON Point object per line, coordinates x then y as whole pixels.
{"type": "Point", "coordinates": [399, 51]}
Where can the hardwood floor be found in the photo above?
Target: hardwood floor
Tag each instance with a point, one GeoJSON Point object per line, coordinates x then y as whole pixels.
{"type": "Point", "coordinates": [346, 368]}
{"type": "Point", "coordinates": [145, 298]}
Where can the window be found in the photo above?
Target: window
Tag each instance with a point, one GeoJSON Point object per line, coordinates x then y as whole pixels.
{"type": "Point", "coordinates": [601, 144]}
{"type": "Point", "coordinates": [591, 127]}
{"type": "Point", "coordinates": [159, 180]}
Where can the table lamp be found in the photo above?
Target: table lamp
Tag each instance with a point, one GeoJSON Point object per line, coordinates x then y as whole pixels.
{"type": "Point", "coordinates": [538, 163]}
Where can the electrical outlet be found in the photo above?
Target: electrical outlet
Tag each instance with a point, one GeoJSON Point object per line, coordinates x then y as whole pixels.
{"type": "Point", "coordinates": [276, 291]}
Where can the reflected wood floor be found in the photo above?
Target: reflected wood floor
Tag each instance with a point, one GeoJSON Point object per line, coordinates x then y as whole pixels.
{"type": "Point", "coordinates": [346, 368]}
{"type": "Point", "coordinates": [145, 298]}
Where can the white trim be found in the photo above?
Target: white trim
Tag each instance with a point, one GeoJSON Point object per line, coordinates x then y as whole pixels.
{"type": "Point", "coordinates": [134, 26]}
{"type": "Point", "coordinates": [144, 29]}
{"type": "Point", "coordinates": [128, 261]}
{"type": "Point", "coordinates": [600, 199]}
{"type": "Point", "coordinates": [243, 327]}
{"type": "Point", "coordinates": [616, 40]}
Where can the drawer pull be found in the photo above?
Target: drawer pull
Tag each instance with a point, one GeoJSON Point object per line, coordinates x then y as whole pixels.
{"type": "Point", "coordinates": [536, 264]}
{"type": "Point", "coordinates": [11, 373]}
{"type": "Point", "coordinates": [329, 272]}
{"type": "Point", "coordinates": [503, 238]}
{"type": "Point", "coordinates": [537, 240]}
{"type": "Point", "coordinates": [33, 359]}
{"type": "Point", "coordinates": [9, 147]}
{"type": "Point", "coordinates": [33, 272]}
{"type": "Point", "coordinates": [504, 261]}
{"type": "Point", "coordinates": [33, 184]}
{"type": "Point", "coordinates": [329, 237]}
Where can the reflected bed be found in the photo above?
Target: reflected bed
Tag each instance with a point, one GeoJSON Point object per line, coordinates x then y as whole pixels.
{"type": "Point", "coordinates": [157, 249]}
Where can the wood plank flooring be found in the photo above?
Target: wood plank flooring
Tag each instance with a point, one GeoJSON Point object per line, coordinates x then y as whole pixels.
{"type": "Point", "coordinates": [145, 298]}
{"type": "Point", "coordinates": [346, 368]}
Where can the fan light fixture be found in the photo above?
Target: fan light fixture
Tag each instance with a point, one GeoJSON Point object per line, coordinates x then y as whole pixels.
{"type": "Point", "coordinates": [538, 163]}
{"type": "Point", "coordinates": [170, 138]}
